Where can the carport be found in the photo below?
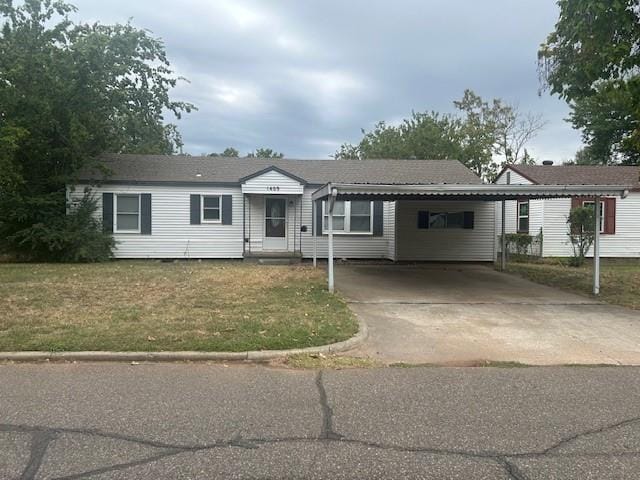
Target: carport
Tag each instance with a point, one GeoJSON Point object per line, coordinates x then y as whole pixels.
{"type": "Point", "coordinates": [332, 192]}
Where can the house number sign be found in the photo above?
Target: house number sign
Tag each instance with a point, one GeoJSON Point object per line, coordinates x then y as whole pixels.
{"type": "Point", "coordinates": [273, 189]}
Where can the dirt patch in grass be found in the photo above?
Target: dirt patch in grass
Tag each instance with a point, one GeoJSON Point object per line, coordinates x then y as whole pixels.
{"type": "Point", "coordinates": [150, 305]}
{"type": "Point", "coordinates": [619, 280]}
{"type": "Point", "coordinates": [330, 362]}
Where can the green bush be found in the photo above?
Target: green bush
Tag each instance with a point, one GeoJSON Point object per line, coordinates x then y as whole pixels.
{"type": "Point", "coordinates": [50, 234]}
{"type": "Point", "coordinates": [521, 242]}
{"type": "Point", "coordinates": [581, 233]}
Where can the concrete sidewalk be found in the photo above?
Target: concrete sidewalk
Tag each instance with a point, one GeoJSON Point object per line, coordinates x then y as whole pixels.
{"type": "Point", "coordinates": [464, 314]}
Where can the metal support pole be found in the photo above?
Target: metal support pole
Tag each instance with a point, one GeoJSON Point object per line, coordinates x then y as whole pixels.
{"type": "Point", "coordinates": [596, 248]}
{"type": "Point", "coordinates": [503, 239]}
{"type": "Point", "coordinates": [330, 257]}
{"type": "Point", "coordinates": [314, 232]}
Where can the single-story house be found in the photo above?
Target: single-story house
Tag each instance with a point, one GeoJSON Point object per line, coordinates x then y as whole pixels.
{"type": "Point", "coordinates": [215, 207]}
{"type": "Point", "coordinates": [547, 218]}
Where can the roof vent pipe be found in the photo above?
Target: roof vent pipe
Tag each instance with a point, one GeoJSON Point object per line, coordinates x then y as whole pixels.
{"type": "Point", "coordinates": [547, 163]}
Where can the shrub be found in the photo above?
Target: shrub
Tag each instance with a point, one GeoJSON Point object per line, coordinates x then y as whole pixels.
{"type": "Point", "coordinates": [581, 233]}
{"type": "Point", "coordinates": [520, 241]}
{"type": "Point", "coordinates": [73, 237]}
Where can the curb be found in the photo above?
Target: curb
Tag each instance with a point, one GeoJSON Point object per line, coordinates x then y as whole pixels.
{"type": "Point", "coordinates": [253, 356]}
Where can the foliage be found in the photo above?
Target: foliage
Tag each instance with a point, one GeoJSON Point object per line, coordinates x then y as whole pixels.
{"type": "Point", "coordinates": [520, 241]}
{"type": "Point", "coordinates": [69, 92]}
{"type": "Point", "coordinates": [581, 233]}
{"type": "Point", "coordinates": [265, 153]}
{"type": "Point", "coordinates": [75, 237]}
{"type": "Point", "coordinates": [592, 60]}
{"type": "Point", "coordinates": [227, 152]}
{"type": "Point", "coordinates": [478, 133]}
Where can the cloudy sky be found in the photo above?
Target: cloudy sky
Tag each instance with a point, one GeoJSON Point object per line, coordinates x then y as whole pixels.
{"type": "Point", "coordinates": [302, 77]}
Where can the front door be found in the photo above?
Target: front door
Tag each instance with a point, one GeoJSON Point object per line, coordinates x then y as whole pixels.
{"type": "Point", "coordinates": [275, 223]}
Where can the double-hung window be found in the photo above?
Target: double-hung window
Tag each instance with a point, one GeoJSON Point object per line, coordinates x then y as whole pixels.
{"type": "Point", "coordinates": [127, 213]}
{"type": "Point", "coordinates": [591, 204]}
{"type": "Point", "coordinates": [211, 209]}
{"type": "Point", "coordinates": [349, 217]}
{"type": "Point", "coordinates": [523, 216]}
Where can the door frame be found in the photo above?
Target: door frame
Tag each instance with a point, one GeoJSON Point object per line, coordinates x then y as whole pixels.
{"type": "Point", "coordinates": [275, 244]}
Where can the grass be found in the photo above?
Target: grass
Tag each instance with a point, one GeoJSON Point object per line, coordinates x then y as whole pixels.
{"type": "Point", "coordinates": [154, 306]}
{"type": "Point", "coordinates": [330, 362]}
{"type": "Point", "coordinates": [619, 280]}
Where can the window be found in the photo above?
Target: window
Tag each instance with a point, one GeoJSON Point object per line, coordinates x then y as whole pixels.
{"type": "Point", "coordinates": [211, 210]}
{"type": "Point", "coordinates": [127, 213]}
{"type": "Point", "coordinates": [523, 216]}
{"type": "Point", "coordinates": [444, 220]}
{"type": "Point", "coordinates": [508, 178]}
{"type": "Point", "coordinates": [349, 217]}
{"type": "Point", "coordinates": [360, 216]}
{"type": "Point", "coordinates": [590, 204]}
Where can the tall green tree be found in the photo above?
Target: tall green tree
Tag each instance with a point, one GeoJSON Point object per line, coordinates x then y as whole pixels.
{"type": "Point", "coordinates": [265, 153]}
{"type": "Point", "coordinates": [592, 60]}
{"type": "Point", "coordinates": [69, 92]}
{"type": "Point", "coordinates": [483, 135]}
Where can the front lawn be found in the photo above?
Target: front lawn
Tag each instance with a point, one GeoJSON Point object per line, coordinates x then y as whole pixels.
{"type": "Point", "coordinates": [150, 305]}
{"type": "Point", "coordinates": [619, 280]}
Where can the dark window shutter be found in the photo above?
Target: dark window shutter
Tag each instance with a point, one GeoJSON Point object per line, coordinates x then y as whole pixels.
{"type": "Point", "coordinates": [195, 209]}
{"type": "Point", "coordinates": [378, 222]}
{"type": "Point", "coordinates": [609, 216]}
{"type": "Point", "coordinates": [107, 212]}
{"type": "Point", "coordinates": [423, 219]}
{"type": "Point", "coordinates": [227, 210]}
{"type": "Point", "coordinates": [468, 220]}
{"type": "Point", "coordinates": [318, 225]}
{"type": "Point", "coordinates": [145, 214]}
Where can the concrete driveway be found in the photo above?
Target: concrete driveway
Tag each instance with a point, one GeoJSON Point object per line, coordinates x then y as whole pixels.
{"type": "Point", "coordinates": [462, 314]}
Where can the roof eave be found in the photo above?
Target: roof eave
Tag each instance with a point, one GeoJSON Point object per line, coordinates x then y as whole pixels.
{"type": "Point", "coordinates": [483, 192]}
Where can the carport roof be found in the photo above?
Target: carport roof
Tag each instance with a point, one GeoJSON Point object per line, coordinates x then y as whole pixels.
{"type": "Point", "coordinates": [484, 192]}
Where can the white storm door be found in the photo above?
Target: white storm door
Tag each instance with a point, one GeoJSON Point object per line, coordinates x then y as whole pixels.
{"type": "Point", "coordinates": [275, 223]}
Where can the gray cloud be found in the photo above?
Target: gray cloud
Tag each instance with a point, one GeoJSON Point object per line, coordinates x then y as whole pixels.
{"type": "Point", "coordinates": [303, 77]}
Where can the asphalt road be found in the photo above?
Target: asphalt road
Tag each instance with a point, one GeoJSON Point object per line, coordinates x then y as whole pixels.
{"type": "Point", "coordinates": [169, 421]}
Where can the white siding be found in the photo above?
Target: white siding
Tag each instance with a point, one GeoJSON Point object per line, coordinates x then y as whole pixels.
{"type": "Point", "coordinates": [272, 182]}
{"type": "Point", "coordinates": [345, 246]}
{"type": "Point", "coordinates": [172, 235]}
{"type": "Point", "coordinates": [516, 178]}
{"type": "Point", "coordinates": [624, 243]}
{"type": "Point", "coordinates": [475, 244]}
{"type": "Point", "coordinates": [390, 229]}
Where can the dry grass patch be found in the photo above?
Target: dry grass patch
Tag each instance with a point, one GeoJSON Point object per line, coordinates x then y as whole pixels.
{"type": "Point", "coordinates": [149, 305]}
{"type": "Point", "coordinates": [619, 280]}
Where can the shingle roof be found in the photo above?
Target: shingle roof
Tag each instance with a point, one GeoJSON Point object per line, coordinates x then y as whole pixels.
{"type": "Point", "coordinates": [581, 174]}
{"type": "Point", "coordinates": [164, 168]}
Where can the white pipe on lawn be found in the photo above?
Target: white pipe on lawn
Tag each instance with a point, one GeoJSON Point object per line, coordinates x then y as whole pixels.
{"type": "Point", "coordinates": [596, 248]}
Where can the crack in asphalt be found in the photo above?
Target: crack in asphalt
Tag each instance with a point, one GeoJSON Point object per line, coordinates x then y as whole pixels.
{"type": "Point", "coordinates": [42, 437]}
{"type": "Point", "coordinates": [40, 440]}
{"type": "Point", "coordinates": [327, 432]}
